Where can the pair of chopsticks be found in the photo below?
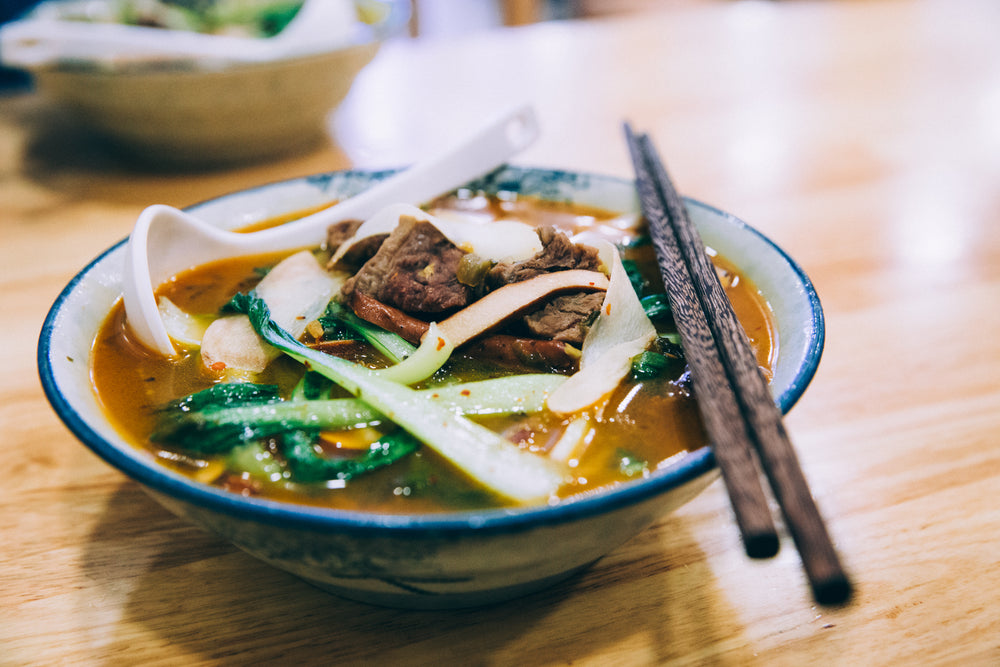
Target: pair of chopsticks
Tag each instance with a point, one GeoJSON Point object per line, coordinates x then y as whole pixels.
{"type": "Point", "coordinates": [741, 418]}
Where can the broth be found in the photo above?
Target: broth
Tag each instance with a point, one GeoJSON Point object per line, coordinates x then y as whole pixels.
{"type": "Point", "coordinates": [643, 424]}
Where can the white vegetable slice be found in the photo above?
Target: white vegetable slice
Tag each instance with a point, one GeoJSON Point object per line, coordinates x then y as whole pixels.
{"type": "Point", "coordinates": [297, 290]}
{"type": "Point", "coordinates": [503, 302]}
{"type": "Point", "coordinates": [496, 241]}
{"type": "Point", "coordinates": [230, 343]}
{"type": "Point", "coordinates": [621, 331]}
{"type": "Point", "coordinates": [487, 457]}
{"type": "Point", "coordinates": [574, 440]}
{"type": "Point", "coordinates": [183, 327]}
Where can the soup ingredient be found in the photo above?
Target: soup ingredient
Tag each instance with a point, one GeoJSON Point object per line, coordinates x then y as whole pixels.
{"type": "Point", "coordinates": [498, 347]}
{"type": "Point", "coordinates": [648, 365]}
{"type": "Point", "coordinates": [392, 345]}
{"type": "Point", "coordinates": [428, 358]}
{"type": "Point", "coordinates": [657, 307]}
{"type": "Point", "coordinates": [480, 316]}
{"type": "Point", "coordinates": [495, 241]}
{"type": "Point", "coordinates": [408, 268]}
{"type": "Point", "coordinates": [485, 456]}
{"type": "Point", "coordinates": [228, 415]}
{"type": "Point", "coordinates": [181, 326]}
{"type": "Point", "coordinates": [502, 303]}
{"type": "Point", "coordinates": [307, 465]}
{"type": "Point", "coordinates": [574, 440]}
{"type": "Point", "coordinates": [621, 331]}
{"type": "Point", "coordinates": [297, 291]}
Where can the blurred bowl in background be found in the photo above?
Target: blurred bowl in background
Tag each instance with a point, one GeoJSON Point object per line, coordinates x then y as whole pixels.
{"type": "Point", "coordinates": [201, 111]}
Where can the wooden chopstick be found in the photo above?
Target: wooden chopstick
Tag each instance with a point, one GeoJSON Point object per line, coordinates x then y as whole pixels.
{"type": "Point", "coordinates": [725, 374]}
{"type": "Point", "coordinates": [716, 401]}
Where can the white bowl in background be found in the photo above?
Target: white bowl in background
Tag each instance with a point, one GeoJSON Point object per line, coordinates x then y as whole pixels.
{"type": "Point", "coordinates": [179, 112]}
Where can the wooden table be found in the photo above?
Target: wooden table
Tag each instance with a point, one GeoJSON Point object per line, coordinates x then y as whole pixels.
{"type": "Point", "coordinates": [863, 137]}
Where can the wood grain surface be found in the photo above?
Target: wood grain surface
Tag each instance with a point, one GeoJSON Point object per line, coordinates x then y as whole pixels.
{"type": "Point", "coordinates": [863, 137]}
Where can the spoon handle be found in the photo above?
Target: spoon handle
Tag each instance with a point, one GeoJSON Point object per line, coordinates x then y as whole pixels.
{"type": "Point", "coordinates": [166, 240]}
{"type": "Point", "coordinates": [474, 156]}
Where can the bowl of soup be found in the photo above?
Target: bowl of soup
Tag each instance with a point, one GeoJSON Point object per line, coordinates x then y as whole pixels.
{"type": "Point", "coordinates": [433, 433]}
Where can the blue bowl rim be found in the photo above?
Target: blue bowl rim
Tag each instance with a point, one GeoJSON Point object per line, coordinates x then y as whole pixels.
{"type": "Point", "coordinates": [161, 480]}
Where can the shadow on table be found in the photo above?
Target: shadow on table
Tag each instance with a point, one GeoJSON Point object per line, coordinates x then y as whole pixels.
{"type": "Point", "coordinates": [183, 587]}
{"type": "Point", "coordinates": [61, 155]}
{"type": "Point", "coordinates": [57, 144]}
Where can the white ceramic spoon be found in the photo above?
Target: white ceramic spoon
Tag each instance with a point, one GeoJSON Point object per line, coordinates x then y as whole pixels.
{"type": "Point", "coordinates": [166, 240]}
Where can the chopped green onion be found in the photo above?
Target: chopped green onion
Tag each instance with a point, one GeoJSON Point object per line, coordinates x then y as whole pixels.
{"type": "Point", "coordinates": [646, 365]}
{"type": "Point", "coordinates": [657, 307]}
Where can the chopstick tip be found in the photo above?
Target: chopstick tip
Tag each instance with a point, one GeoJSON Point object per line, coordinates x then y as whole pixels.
{"type": "Point", "coordinates": [762, 545]}
{"type": "Point", "coordinates": [629, 131]}
{"type": "Point", "coordinates": [832, 591]}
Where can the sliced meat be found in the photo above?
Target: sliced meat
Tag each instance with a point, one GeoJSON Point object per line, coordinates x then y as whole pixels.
{"type": "Point", "coordinates": [414, 270]}
{"type": "Point", "coordinates": [565, 317]}
{"type": "Point", "coordinates": [552, 354]}
{"type": "Point", "coordinates": [360, 252]}
{"type": "Point", "coordinates": [391, 319]}
{"type": "Point", "coordinates": [339, 232]}
{"type": "Point", "coordinates": [558, 253]}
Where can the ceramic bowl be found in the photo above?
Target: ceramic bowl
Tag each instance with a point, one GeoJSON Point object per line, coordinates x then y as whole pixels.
{"type": "Point", "coordinates": [185, 113]}
{"type": "Point", "coordinates": [433, 561]}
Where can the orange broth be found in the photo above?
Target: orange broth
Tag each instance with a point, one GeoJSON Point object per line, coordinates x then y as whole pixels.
{"type": "Point", "coordinates": [647, 421]}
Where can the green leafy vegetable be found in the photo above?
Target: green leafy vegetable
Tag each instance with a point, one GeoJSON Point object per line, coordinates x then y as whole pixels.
{"type": "Point", "coordinates": [335, 328]}
{"type": "Point", "coordinates": [257, 19]}
{"type": "Point", "coordinates": [657, 307]}
{"type": "Point", "coordinates": [228, 395]}
{"type": "Point", "coordinates": [639, 283]}
{"type": "Point", "coordinates": [218, 419]}
{"type": "Point", "coordinates": [308, 465]}
{"type": "Point", "coordinates": [256, 460]}
{"type": "Point", "coordinates": [225, 416]}
{"type": "Point", "coordinates": [654, 363]}
{"type": "Point", "coordinates": [631, 465]}
{"type": "Point", "coordinates": [234, 416]}
{"type": "Point", "coordinates": [391, 345]}
{"type": "Point", "coordinates": [274, 19]}
{"type": "Point", "coordinates": [648, 365]}
{"type": "Point", "coordinates": [483, 455]}
{"type": "Point", "coordinates": [313, 386]}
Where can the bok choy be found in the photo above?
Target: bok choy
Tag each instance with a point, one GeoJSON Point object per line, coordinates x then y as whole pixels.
{"type": "Point", "coordinates": [494, 462]}
{"type": "Point", "coordinates": [226, 415]}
